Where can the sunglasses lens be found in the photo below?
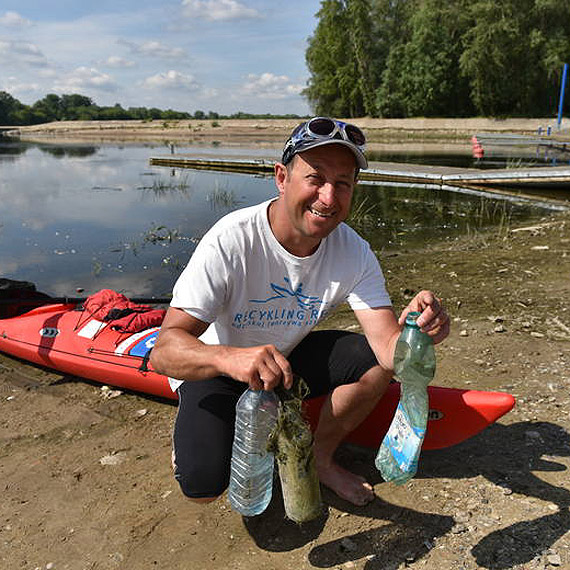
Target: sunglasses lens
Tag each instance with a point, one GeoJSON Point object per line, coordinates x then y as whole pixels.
{"type": "Point", "coordinates": [322, 127]}
{"type": "Point", "coordinates": [355, 135]}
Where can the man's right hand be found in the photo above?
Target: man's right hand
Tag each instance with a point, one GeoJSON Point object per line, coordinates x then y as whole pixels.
{"type": "Point", "coordinates": [261, 367]}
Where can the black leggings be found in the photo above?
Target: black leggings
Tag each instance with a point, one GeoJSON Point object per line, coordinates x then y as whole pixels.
{"type": "Point", "coordinates": [204, 428]}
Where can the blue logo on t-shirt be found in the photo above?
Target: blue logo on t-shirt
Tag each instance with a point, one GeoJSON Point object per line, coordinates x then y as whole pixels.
{"type": "Point", "coordinates": [309, 310]}
{"type": "Point", "coordinates": [303, 301]}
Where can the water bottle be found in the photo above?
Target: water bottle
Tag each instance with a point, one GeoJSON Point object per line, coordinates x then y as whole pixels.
{"type": "Point", "coordinates": [414, 367]}
{"type": "Point", "coordinates": [251, 475]}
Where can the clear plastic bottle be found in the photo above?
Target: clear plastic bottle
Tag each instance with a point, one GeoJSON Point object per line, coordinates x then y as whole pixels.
{"type": "Point", "coordinates": [414, 367]}
{"type": "Point", "coordinates": [251, 475]}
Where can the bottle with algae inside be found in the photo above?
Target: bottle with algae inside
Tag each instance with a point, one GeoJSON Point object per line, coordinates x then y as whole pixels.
{"type": "Point", "coordinates": [292, 443]}
{"type": "Point", "coordinates": [414, 367]}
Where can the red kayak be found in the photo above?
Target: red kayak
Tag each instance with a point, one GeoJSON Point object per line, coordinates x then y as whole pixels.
{"type": "Point", "coordinates": [110, 343]}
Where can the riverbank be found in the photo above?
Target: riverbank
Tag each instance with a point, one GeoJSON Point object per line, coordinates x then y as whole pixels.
{"type": "Point", "coordinates": [87, 482]}
{"type": "Point", "coordinates": [271, 130]}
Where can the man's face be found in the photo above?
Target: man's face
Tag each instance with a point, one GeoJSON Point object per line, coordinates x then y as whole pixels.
{"type": "Point", "coordinates": [317, 190]}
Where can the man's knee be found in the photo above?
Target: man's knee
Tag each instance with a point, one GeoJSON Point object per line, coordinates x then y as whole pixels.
{"type": "Point", "coordinates": [200, 491]}
{"type": "Point", "coordinates": [375, 379]}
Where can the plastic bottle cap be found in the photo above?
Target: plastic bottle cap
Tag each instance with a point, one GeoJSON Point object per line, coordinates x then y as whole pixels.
{"type": "Point", "coordinates": [411, 318]}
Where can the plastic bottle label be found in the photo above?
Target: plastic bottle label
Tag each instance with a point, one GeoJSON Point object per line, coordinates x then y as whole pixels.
{"type": "Point", "coordinates": [404, 440]}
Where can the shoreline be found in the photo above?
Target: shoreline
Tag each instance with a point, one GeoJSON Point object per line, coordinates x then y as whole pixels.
{"type": "Point", "coordinates": [277, 130]}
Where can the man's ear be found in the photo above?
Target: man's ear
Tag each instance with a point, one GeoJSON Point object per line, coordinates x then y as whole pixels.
{"type": "Point", "coordinates": [280, 176]}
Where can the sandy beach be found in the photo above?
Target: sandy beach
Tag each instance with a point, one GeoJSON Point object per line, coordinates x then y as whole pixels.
{"type": "Point", "coordinates": [260, 130]}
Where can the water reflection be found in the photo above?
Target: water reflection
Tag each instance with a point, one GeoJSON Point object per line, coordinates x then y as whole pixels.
{"type": "Point", "coordinates": [462, 156]}
{"type": "Point", "coordinates": [15, 148]}
{"type": "Point", "coordinates": [401, 154]}
{"type": "Point", "coordinates": [71, 151]}
{"type": "Point", "coordinates": [90, 217]}
{"type": "Point", "coordinates": [412, 216]}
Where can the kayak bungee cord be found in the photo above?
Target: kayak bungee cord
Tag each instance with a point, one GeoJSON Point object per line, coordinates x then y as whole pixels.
{"type": "Point", "coordinates": [75, 354]}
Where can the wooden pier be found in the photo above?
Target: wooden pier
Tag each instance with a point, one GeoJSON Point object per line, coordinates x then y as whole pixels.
{"type": "Point", "coordinates": [509, 178]}
{"type": "Point", "coordinates": [244, 166]}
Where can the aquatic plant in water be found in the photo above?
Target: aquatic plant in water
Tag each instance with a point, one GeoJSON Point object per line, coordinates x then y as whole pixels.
{"type": "Point", "coordinates": [363, 214]}
{"type": "Point", "coordinates": [161, 187]}
{"type": "Point", "coordinates": [222, 198]}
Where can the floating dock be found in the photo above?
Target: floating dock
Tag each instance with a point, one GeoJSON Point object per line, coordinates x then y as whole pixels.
{"type": "Point", "coordinates": [244, 166]}
{"type": "Point", "coordinates": [514, 141]}
{"type": "Point", "coordinates": [514, 178]}
{"type": "Point", "coordinates": [545, 150]}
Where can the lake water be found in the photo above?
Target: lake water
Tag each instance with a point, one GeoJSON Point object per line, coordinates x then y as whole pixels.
{"type": "Point", "coordinates": [78, 218]}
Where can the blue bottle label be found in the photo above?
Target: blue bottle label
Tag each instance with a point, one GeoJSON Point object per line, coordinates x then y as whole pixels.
{"type": "Point", "coordinates": [404, 441]}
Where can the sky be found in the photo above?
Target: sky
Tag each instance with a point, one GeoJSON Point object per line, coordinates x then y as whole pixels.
{"type": "Point", "coordinates": [210, 55]}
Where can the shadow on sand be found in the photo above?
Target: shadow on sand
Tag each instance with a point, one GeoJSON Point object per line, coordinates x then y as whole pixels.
{"type": "Point", "coordinates": [506, 455]}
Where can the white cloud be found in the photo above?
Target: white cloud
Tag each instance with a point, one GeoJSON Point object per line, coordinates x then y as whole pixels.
{"type": "Point", "coordinates": [48, 72]}
{"type": "Point", "coordinates": [18, 52]}
{"type": "Point", "coordinates": [154, 49]}
{"type": "Point", "coordinates": [118, 62]}
{"type": "Point", "coordinates": [218, 10]}
{"type": "Point", "coordinates": [271, 86]}
{"type": "Point", "coordinates": [15, 20]}
{"type": "Point", "coordinates": [85, 78]}
{"type": "Point", "coordinates": [210, 93]}
{"type": "Point", "coordinates": [171, 79]}
{"type": "Point", "coordinates": [13, 86]}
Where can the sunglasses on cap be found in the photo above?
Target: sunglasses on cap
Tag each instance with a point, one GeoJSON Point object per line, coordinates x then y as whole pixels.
{"type": "Point", "coordinates": [324, 130]}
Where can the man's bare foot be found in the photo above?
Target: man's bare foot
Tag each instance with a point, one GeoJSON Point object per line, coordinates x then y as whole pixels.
{"type": "Point", "coordinates": [346, 485]}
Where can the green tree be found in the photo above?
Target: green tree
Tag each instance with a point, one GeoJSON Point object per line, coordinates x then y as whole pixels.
{"type": "Point", "coordinates": [332, 87]}
{"type": "Point", "coordinates": [513, 54]}
{"type": "Point", "coordinates": [86, 113]}
{"type": "Point", "coordinates": [362, 43]}
{"type": "Point", "coordinates": [70, 106]}
{"type": "Point", "coordinates": [140, 113]}
{"type": "Point", "coordinates": [549, 39]}
{"type": "Point", "coordinates": [422, 75]}
{"type": "Point", "coordinates": [404, 58]}
{"type": "Point", "coordinates": [171, 115]}
{"type": "Point", "coordinates": [493, 49]}
{"type": "Point", "coordinates": [49, 107]}
{"type": "Point", "coordinates": [9, 107]}
{"type": "Point", "coordinates": [347, 53]}
{"type": "Point", "coordinates": [106, 113]}
{"type": "Point", "coordinates": [26, 115]}
{"type": "Point", "coordinates": [75, 107]}
{"type": "Point", "coordinates": [154, 113]}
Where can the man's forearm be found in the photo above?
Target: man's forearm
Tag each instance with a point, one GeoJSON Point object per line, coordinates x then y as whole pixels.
{"type": "Point", "coordinates": [384, 351]}
{"type": "Point", "coordinates": [180, 355]}
{"type": "Point", "coordinates": [382, 331]}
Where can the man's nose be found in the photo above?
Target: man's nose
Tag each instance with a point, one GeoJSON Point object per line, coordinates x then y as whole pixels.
{"type": "Point", "coordinates": [326, 194]}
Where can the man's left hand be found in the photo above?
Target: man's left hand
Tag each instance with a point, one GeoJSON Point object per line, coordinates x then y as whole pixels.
{"type": "Point", "coordinates": [433, 319]}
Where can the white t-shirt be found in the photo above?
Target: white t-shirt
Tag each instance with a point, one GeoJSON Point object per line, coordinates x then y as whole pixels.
{"type": "Point", "coordinates": [253, 292]}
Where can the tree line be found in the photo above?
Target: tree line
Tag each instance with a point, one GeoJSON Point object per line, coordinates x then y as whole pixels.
{"type": "Point", "coordinates": [446, 58]}
{"type": "Point", "coordinates": [77, 107]}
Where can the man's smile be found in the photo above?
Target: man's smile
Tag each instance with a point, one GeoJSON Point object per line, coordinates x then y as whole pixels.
{"type": "Point", "coordinates": [320, 214]}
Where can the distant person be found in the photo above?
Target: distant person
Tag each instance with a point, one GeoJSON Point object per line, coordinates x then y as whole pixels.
{"type": "Point", "coordinates": [244, 308]}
